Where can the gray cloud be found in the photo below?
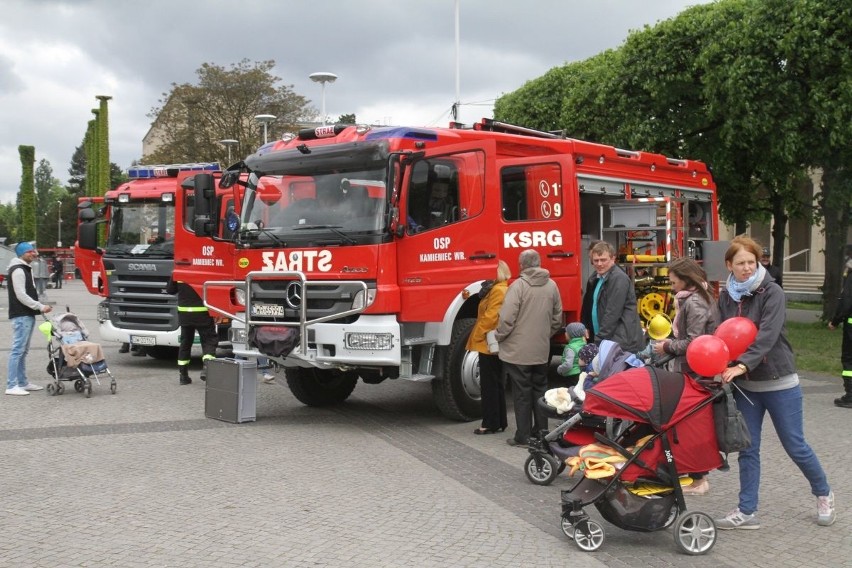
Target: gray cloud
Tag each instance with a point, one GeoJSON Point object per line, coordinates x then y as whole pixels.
{"type": "Point", "coordinates": [395, 59]}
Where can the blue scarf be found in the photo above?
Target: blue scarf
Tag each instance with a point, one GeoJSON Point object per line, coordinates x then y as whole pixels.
{"type": "Point", "coordinates": [739, 289]}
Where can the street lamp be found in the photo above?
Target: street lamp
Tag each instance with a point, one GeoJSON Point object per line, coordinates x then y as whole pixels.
{"type": "Point", "coordinates": [265, 119]}
{"type": "Point", "coordinates": [228, 143]}
{"type": "Point", "coordinates": [58, 224]}
{"type": "Point", "coordinates": [323, 77]}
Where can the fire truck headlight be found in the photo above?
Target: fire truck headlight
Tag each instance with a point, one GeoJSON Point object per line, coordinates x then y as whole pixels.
{"type": "Point", "coordinates": [237, 336]}
{"type": "Point", "coordinates": [369, 341]}
{"type": "Point", "coordinates": [361, 301]}
{"type": "Point", "coordinates": [240, 296]}
{"type": "Point", "coordinates": [103, 312]}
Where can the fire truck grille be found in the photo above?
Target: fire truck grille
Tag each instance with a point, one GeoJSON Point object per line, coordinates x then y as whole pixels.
{"type": "Point", "coordinates": [279, 301]}
{"type": "Point", "coordinates": [139, 301]}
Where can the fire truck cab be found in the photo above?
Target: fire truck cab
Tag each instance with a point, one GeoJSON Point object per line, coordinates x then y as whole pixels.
{"type": "Point", "coordinates": [373, 242]}
{"type": "Point", "coordinates": [133, 268]}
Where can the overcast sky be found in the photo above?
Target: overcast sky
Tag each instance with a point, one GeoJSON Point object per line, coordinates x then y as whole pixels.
{"type": "Point", "coordinates": [395, 59]}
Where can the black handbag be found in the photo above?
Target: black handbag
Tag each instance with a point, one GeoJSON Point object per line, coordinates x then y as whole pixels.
{"type": "Point", "coordinates": [732, 433]}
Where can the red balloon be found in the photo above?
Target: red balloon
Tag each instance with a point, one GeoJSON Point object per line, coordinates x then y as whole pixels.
{"type": "Point", "coordinates": [707, 355]}
{"type": "Point", "coordinates": [737, 333]}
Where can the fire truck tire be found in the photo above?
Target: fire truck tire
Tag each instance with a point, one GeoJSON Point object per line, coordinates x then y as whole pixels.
{"type": "Point", "coordinates": [315, 387]}
{"type": "Point", "coordinates": [162, 352]}
{"type": "Point", "coordinates": [456, 389]}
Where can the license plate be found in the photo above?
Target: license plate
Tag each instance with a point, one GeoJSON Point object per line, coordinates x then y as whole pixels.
{"type": "Point", "coordinates": [143, 340]}
{"type": "Point", "coordinates": [268, 310]}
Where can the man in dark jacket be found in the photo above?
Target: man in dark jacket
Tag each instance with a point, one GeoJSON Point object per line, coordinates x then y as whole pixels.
{"type": "Point", "coordinates": [609, 304]}
{"type": "Point", "coordinates": [843, 313]}
{"type": "Point", "coordinates": [193, 316]}
{"type": "Point", "coordinates": [773, 270]}
{"type": "Point", "coordinates": [23, 308]}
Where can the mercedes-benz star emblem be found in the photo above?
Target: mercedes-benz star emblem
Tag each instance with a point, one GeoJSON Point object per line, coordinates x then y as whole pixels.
{"type": "Point", "coordinates": [293, 295]}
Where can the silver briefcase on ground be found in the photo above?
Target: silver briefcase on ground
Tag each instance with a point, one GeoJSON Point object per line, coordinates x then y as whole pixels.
{"type": "Point", "coordinates": [231, 390]}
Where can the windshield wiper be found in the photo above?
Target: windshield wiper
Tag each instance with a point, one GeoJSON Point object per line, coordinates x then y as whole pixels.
{"type": "Point", "coordinates": [261, 230]}
{"type": "Point", "coordinates": [333, 228]}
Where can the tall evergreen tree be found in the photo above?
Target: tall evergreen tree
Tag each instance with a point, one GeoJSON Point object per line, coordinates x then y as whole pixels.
{"type": "Point", "coordinates": [26, 231]}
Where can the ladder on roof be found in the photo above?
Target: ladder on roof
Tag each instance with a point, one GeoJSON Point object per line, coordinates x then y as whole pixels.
{"type": "Point", "coordinates": [491, 125]}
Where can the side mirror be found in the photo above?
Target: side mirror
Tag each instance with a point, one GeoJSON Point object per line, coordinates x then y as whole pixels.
{"type": "Point", "coordinates": [228, 179]}
{"type": "Point", "coordinates": [87, 237]}
{"type": "Point", "coordinates": [204, 224]}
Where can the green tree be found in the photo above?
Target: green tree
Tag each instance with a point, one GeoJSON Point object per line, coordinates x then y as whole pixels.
{"type": "Point", "coordinates": [192, 119]}
{"type": "Point", "coordinates": [26, 230]}
{"type": "Point", "coordinates": [49, 191]}
{"type": "Point", "coordinates": [347, 119]}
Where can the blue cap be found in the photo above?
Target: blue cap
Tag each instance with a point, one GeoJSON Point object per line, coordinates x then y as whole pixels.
{"type": "Point", "coordinates": [23, 248]}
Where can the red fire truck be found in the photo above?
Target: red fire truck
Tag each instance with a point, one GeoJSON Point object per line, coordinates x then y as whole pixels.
{"type": "Point", "coordinates": [374, 241]}
{"type": "Point", "coordinates": [133, 268]}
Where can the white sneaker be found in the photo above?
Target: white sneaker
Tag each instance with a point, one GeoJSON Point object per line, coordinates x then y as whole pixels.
{"type": "Point", "coordinates": [17, 391]}
{"type": "Point", "coordinates": [268, 378]}
{"type": "Point", "coordinates": [31, 387]}
{"type": "Point", "coordinates": [826, 515]}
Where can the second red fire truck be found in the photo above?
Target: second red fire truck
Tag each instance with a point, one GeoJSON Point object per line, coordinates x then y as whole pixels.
{"type": "Point", "coordinates": [373, 242]}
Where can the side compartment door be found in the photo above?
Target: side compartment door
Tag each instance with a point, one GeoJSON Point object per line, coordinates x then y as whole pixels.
{"type": "Point", "coordinates": [539, 211]}
{"type": "Point", "coordinates": [449, 239]}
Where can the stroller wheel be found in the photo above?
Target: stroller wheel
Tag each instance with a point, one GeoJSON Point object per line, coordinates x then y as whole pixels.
{"type": "Point", "coordinates": [541, 468]}
{"type": "Point", "coordinates": [695, 533]}
{"type": "Point", "coordinates": [78, 385]}
{"type": "Point", "coordinates": [113, 386]}
{"type": "Point", "coordinates": [51, 389]}
{"type": "Point", "coordinates": [589, 535]}
{"type": "Point", "coordinates": [60, 388]}
{"type": "Point", "coordinates": [567, 527]}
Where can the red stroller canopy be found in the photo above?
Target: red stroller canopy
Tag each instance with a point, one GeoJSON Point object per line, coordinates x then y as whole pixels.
{"type": "Point", "coordinates": [668, 402]}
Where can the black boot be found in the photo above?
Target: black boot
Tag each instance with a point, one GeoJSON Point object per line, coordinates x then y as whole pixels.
{"type": "Point", "coordinates": [203, 375]}
{"type": "Point", "coordinates": [184, 375]}
{"type": "Point", "coordinates": [845, 401]}
{"type": "Point", "coordinates": [125, 347]}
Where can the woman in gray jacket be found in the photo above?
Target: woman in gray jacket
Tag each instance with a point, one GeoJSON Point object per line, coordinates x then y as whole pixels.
{"type": "Point", "coordinates": [766, 372]}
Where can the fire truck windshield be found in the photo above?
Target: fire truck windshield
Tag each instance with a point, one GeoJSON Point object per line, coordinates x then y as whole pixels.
{"type": "Point", "coordinates": [340, 207]}
{"type": "Point", "coordinates": [142, 229]}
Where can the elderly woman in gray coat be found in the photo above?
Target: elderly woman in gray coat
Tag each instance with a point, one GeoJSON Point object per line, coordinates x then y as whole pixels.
{"type": "Point", "coordinates": [530, 315]}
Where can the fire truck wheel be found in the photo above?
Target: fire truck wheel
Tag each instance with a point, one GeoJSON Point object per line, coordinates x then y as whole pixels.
{"type": "Point", "coordinates": [315, 387]}
{"type": "Point", "coordinates": [456, 389]}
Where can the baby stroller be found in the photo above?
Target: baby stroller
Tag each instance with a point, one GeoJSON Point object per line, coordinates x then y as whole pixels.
{"type": "Point", "coordinates": [643, 491]}
{"type": "Point", "coordinates": [73, 357]}
{"type": "Point", "coordinates": [549, 450]}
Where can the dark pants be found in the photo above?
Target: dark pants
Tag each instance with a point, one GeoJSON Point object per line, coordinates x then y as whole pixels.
{"type": "Point", "coordinates": [846, 350]}
{"type": "Point", "coordinates": [528, 385]}
{"type": "Point", "coordinates": [209, 341]}
{"type": "Point", "coordinates": [492, 386]}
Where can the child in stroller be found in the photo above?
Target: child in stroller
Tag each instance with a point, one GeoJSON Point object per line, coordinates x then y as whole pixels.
{"type": "Point", "coordinates": [73, 357]}
{"type": "Point", "coordinates": [549, 450]}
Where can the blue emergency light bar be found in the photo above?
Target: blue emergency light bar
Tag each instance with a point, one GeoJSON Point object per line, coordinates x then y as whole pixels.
{"type": "Point", "coordinates": [171, 170]}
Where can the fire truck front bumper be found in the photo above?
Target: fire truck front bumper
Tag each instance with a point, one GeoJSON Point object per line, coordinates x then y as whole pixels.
{"type": "Point", "coordinates": [108, 332]}
{"type": "Point", "coordinates": [368, 341]}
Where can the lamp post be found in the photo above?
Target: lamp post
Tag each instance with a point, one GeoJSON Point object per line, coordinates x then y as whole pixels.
{"type": "Point", "coordinates": [323, 77]}
{"type": "Point", "coordinates": [265, 119]}
{"type": "Point", "coordinates": [58, 224]}
{"type": "Point", "coordinates": [228, 142]}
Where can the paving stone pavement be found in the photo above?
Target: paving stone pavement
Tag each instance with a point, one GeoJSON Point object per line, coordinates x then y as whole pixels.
{"type": "Point", "coordinates": [142, 478]}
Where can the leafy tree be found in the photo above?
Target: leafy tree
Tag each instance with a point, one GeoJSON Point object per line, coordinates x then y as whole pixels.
{"type": "Point", "coordinates": [347, 119]}
{"type": "Point", "coordinates": [77, 171]}
{"type": "Point", "coordinates": [49, 191]}
{"type": "Point", "coordinates": [192, 119]}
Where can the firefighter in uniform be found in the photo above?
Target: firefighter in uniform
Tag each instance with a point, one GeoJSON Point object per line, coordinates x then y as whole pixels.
{"type": "Point", "coordinates": [193, 316]}
{"type": "Point", "coordinates": [843, 313]}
